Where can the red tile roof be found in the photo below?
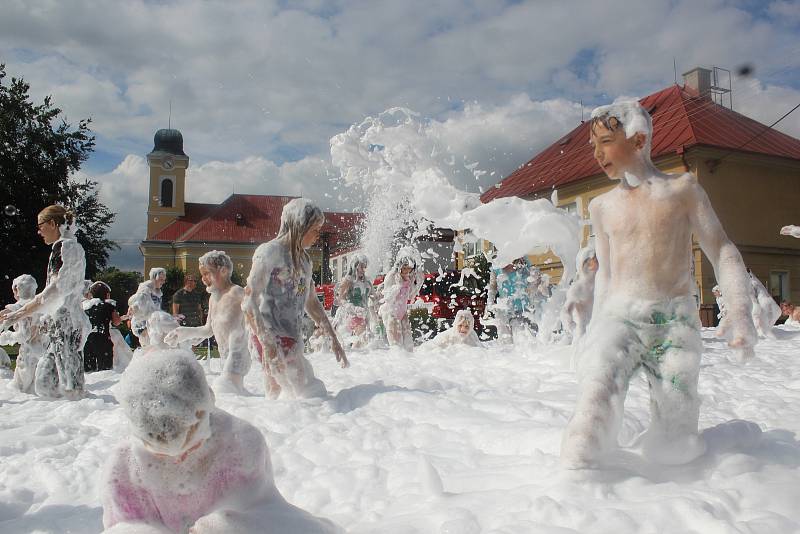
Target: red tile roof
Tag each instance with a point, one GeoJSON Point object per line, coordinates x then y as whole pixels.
{"type": "Point", "coordinates": [681, 119]}
{"type": "Point", "coordinates": [243, 219]}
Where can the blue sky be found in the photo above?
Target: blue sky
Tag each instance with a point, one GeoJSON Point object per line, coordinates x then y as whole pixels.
{"type": "Point", "coordinates": [259, 88]}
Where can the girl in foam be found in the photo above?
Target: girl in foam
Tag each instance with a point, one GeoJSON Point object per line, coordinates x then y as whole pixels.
{"type": "Point", "coordinates": [60, 370]}
{"type": "Point", "coordinates": [144, 302]}
{"type": "Point", "coordinates": [352, 318]}
{"type": "Point", "coordinates": [461, 333]}
{"type": "Point", "coordinates": [190, 467]}
{"type": "Point", "coordinates": [401, 285]}
{"type": "Point", "coordinates": [577, 311]}
{"type": "Point", "coordinates": [27, 334]}
{"type": "Point", "coordinates": [279, 288]}
{"type": "Point", "coordinates": [225, 321]}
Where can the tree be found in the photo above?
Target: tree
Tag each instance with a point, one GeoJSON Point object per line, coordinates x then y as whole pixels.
{"type": "Point", "coordinates": [39, 154]}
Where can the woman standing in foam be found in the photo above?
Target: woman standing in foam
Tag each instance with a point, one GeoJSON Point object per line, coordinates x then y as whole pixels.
{"type": "Point", "coordinates": [59, 303]}
{"type": "Point", "coordinates": [27, 334]}
{"type": "Point", "coordinates": [401, 284]}
{"type": "Point", "coordinates": [354, 291]}
{"type": "Point", "coordinates": [461, 333]}
{"type": "Point", "coordinates": [225, 321]}
{"type": "Point", "coordinates": [190, 467]}
{"type": "Point", "coordinates": [279, 288]}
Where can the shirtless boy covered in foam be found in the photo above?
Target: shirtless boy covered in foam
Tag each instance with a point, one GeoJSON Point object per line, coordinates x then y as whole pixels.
{"type": "Point", "coordinates": [645, 315]}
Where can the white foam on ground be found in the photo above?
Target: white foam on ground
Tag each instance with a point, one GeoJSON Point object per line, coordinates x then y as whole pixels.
{"type": "Point", "coordinates": [451, 442]}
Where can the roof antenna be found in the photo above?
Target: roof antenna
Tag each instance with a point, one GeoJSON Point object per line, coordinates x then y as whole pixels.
{"type": "Point", "coordinates": [169, 120]}
{"type": "Point", "coordinates": [675, 69]}
{"type": "Point", "coordinates": [581, 111]}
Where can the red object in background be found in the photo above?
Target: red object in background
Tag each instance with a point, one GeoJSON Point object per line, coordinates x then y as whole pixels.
{"type": "Point", "coordinates": [325, 295]}
{"type": "Point", "coordinates": [444, 299]}
{"type": "Point", "coordinates": [441, 297]}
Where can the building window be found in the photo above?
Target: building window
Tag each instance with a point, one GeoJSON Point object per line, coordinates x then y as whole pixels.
{"type": "Point", "coordinates": [572, 208]}
{"type": "Point", "coordinates": [779, 285]}
{"type": "Point", "coordinates": [166, 193]}
{"type": "Point", "coordinates": [473, 248]}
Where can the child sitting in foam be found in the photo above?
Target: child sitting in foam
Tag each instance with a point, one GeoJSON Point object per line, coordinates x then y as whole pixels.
{"type": "Point", "coordinates": [189, 466]}
{"type": "Point", "coordinates": [577, 311]}
{"type": "Point", "coordinates": [461, 333]}
{"type": "Point", "coordinates": [225, 322]}
{"type": "Point", "coordinates": [401, 285]}
{"type": "Point", "coordinates": [645, 315]}
{"type": "Point", "coordinates": [27, 334]}
{"type": "Point", "coordinates": [159, 325]}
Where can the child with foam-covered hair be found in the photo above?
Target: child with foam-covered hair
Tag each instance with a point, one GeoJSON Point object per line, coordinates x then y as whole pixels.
{"type": "Point", "coordinates": [145, 301]}
{"type": "Point", "coordinates": [352, 317]}
{"type": "Point", "coordinates": [279, 288]}
{"type": "Point", "coordinates": [27, 334]}
{"type": "Point", "coordinates": [189, 466]}
{"type": "Point", "coordinates": [461, 333]}
{"type": "Point", "coordinates": [401, 285]}
{"type": "Point", "coordinates": [645, 316]}
{"type": "Point", "coordinates": [225, 321]}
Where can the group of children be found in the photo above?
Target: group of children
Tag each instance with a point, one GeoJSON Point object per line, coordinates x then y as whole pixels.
{"type": "Point", "coordinates": [192, 467]}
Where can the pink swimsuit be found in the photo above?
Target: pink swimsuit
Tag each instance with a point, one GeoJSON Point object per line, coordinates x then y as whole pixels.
{"type": "Point", "coordinates": [142, 487]}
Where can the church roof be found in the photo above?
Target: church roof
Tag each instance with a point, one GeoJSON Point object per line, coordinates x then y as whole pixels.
{"type": "Point", "coordinates": [168, 141]}
{"type": "Point", "coordinates": [681, 119]}
{"type": "Point", "coordinates": [246, 219]}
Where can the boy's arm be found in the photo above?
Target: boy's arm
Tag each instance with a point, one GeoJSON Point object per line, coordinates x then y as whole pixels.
{"type": "Point", "coordinates": [729, 269]}
{"type": "Point", "coordinates": [602, 276]}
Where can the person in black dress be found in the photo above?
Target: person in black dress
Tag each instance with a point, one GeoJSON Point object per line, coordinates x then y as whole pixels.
{"type": "Point", "coordinates": [98, 353]}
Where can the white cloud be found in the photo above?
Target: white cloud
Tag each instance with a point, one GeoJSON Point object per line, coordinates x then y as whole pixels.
{"type": "Point", "coordinates": [258, 88]}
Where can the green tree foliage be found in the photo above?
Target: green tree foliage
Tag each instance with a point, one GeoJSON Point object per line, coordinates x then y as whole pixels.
{"type": "Point", "coordinates": [39, 152]}
{"type": "Point", "coordinates": [123, 284]}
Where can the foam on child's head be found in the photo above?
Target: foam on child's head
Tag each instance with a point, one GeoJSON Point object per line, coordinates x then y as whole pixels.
{"type": "Point", "coordinates": [25, 285]}
{"type": "Point", "coordinates": [628, 113]}
{"type": "Point", "coordinates": [155, 271]}
{"type": "Point", "coordinates": [409, 256]}
{"type": "Point", "coordinates": [216, 260]}
{"type": "Point", "coordinates": [464, 316]}
{"type": "Point", "coordinates": [355, 261]}
{"type": "Point", "coordinates": [162, 392]}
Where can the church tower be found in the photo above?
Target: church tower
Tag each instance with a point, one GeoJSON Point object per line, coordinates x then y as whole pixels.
{"type": "Point", "coordinates": [168, 164]}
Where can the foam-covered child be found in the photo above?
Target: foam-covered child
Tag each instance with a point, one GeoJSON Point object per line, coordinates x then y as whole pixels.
{"type": "Point", "coordinates": [189, 466]}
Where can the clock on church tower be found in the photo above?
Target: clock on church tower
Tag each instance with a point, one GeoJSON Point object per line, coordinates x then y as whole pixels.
{"type": "Point", "coordinates": [168, 164]}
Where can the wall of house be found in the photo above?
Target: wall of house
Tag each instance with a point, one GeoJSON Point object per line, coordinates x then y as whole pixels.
{"type": "Point", "coordinates": [754, 196]}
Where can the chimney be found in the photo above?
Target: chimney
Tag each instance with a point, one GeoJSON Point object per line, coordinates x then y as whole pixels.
{"type": "Point", "coordinates": [698, 80]}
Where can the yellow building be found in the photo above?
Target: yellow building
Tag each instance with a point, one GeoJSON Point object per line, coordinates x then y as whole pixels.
{"type": "Point", "coordinates": [751, 174]}
{"type": "Point", "coordinates": [179, 232]}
